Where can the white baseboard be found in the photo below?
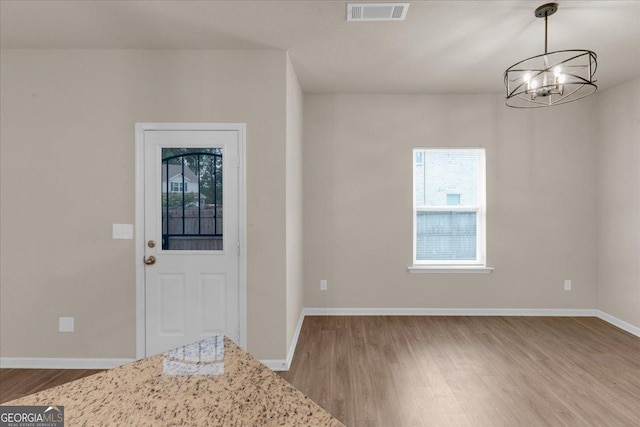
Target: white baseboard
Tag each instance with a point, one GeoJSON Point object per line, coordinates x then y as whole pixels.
{"type": "Point", "coordinates": [60, 363]}
{"type": "Point", "coordinates": [625, 326]}
{"type": "Point", "coordinates": [559, 312]}
{"type": "Point", "coordinates": [275, 364]}
{"type": "Point", "coordinates": [552, 312]}
{"type": "Point", "coordinates": [285, 364]}
{"type": "Point", "coordinates": [294, 341]}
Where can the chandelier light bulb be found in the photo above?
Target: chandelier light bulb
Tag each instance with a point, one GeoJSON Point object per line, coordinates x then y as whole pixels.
{"type": "Point", "coordinates": [527, 77]}
{"type": "Point", "coordinates": [533, 84]}
{"type": "Point", "coordinates": [562, 78]}
{"type": "Point", "coordinates": [557, 71]}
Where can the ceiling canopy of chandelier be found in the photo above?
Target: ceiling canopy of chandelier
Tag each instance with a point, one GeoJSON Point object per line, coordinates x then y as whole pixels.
{"type": "Point", "coordinates": [552, 78]}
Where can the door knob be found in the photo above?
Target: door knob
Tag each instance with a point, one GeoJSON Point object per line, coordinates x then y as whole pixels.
{"type": "Point", "coordinates": [150, 260]}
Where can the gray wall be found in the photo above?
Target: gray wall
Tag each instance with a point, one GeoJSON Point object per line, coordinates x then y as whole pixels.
{"type": "Point", "coordinates": [541, 216]}
{"type": "Point", "coordinates": [67, 138]}
{"type": "Point", "coordinates": [618, 151]}
{"type": "Point", "coordinates": [294, 202]}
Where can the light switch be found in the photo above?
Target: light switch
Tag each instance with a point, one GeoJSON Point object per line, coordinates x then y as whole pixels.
{"type": "Point", "coordinates": [123, 231]}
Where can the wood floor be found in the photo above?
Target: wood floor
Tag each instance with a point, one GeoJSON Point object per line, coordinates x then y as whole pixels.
{"type": "Point", "coordinates": [469, 371]}
{"type": "Point", "coordinates": [449, 371]}
{"type": "Point", "coordinates": [15, 383]}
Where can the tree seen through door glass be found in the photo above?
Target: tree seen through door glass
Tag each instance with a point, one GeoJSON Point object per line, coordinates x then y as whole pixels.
{"type": "Point", "coordinates": [192, 199]}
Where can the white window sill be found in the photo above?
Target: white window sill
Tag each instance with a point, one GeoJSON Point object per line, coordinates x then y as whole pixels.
{"type": "Point", "coordinates": [478, 269]}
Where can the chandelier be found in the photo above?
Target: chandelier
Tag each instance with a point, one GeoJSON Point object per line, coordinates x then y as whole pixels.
{"type": "Point", "coordinates": [552, 78]}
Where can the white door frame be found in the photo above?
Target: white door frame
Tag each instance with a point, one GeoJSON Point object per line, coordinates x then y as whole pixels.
{"type": "Point", "coordinates": [140, 216]}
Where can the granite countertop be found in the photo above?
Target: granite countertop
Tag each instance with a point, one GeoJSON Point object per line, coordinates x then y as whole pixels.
{"type": "Point", "coordinates": [209, 383]}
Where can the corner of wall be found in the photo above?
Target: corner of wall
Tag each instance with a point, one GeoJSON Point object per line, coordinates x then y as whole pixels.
{"type": "Point", "coordinates": [294, 207]}
{"type": "Point", "coordinates": [618, 202]}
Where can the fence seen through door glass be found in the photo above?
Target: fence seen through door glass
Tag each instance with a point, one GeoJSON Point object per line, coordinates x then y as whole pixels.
{"type": "Point", "coordinates": [192, 199]}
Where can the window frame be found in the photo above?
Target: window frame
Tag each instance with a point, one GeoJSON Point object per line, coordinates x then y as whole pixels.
{"type": "Point", "coordinates": [479, 209]}
{"type": "Point", "coordinates": [178, 185]}
{"type": "Point", "coordinates": [421, 163]}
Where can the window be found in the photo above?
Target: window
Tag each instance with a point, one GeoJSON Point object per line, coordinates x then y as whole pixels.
{"type": "Point", "coordinates": [453, 199]}
{"type": "Point", "coordinates": [177, 186]}
{"type": "Point", "coordinates": [449, 207]}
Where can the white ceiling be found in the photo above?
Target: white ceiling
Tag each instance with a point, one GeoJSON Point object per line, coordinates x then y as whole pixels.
{"type": "Point", "coordinates": [443, 46]}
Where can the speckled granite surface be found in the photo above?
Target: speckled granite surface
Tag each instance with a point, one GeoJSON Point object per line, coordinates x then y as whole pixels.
{"type": "Point", "coordinates": [210, 383]}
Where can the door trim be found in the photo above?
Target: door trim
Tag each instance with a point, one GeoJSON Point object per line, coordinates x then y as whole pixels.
{"type": "Point", "coordinates": [139, 222]}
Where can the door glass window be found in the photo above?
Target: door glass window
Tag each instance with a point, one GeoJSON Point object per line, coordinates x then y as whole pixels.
{"type": "Point", "coordinates": [192, 199]}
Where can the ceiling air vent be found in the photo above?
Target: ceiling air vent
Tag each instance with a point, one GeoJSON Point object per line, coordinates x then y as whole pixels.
{"type": "Point", "coordinates": [377, 11]}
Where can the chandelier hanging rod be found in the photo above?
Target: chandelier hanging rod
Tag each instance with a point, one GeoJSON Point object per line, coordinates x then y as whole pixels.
{"type": "Point", "coordinates": [546, 10]}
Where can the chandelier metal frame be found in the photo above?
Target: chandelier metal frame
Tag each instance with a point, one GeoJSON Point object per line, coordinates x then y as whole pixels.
{"type": "Point", "coordinates": [552, 78]}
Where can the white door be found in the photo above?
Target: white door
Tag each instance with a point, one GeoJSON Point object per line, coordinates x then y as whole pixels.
{"type": "Point", "coordinates": [191, 236]}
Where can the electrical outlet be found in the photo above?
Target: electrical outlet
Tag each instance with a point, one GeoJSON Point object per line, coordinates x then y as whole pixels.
{"type": "Point", "coordinates": [323, 285]}
{"type": "Point", "coordinates": [65, 324]}
{"type": "Point", "coordinates": [567, 285]}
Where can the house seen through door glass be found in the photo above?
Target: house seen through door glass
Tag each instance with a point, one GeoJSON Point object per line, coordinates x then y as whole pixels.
{"type": "Point", "coordinates": [192, 199]}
